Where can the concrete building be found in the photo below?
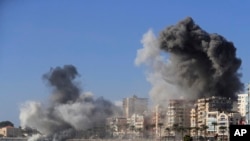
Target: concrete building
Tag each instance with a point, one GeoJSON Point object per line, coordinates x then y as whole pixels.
{"type": "Point", "coordinates": [137, 121]}
{"type": "Point", "coordinates": [243, 106]}
{"type": "Point", "coordinates": [178, 113]}
{"type": "Point", "coordinates": [205, 105]}
{"type": "Point", "coordinates": [206, 111]}
{"type": "Point", "coordinates": [134, 105]}
{"type": "Point", "coordinates": [118, 125]}
{"type": "Point", "coordinates": [10, 131]}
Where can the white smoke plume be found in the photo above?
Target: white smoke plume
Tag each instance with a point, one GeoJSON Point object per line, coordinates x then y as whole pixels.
{"type": "Point", "coordinates": [34, 137]}
{"type": "Point", "coordinates": [68, 111]}
{"type": "Point", "coordinates": [156, 63]}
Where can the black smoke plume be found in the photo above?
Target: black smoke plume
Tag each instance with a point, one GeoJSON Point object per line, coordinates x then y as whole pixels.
{"type": "Point", "coordinates": [65, 88]}
{"type": "Point", "coordinates": [203, 63]}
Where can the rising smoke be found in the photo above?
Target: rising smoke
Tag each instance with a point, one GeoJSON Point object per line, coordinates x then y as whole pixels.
{"type": "Point", "coordinates": [199, 64]}
{"type": "Point", "coordinates": [68, 110]}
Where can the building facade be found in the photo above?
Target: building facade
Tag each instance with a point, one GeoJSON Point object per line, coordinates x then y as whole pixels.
{"type": "Point", "coordinates": [178, 113]}
{"type": "Point", "coordinates": [134, 105]}
{"type": "Point", "coordinates": [205, 105]}
{"type": "Point", "coordinates": [243, 106]}
{"type": "Point", "coordinates": [10, 131]}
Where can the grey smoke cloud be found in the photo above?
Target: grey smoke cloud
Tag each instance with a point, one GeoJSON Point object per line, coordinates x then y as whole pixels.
{"type": "Point", "coordinates": [68, 111]}
{"type": "Point", "coordinates": [62, 80]}
{"type": "Point", "coordinates": [205, 63]}
{"type": "Point", "coordinates": [185, 61]}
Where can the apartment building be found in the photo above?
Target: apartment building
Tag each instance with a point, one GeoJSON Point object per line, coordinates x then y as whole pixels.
{"type": "Point", "coordinates": [178, 113]}
{"type": "Point", "coordinates": [243, 106]}
{"type": "Point", "coordinates": [215, 113]}
{"type": "Point", "coordinates": [137, 121]}
{"type": "Point", "coordinates": [134, 105]}
{"type": "Point", "coordinates": [205, 105]}
{"type": "Point", "coordinates": [118, 124]}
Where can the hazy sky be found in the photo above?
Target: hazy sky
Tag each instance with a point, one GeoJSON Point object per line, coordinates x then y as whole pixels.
{"type": "Point", "coordinates": [101, 39]}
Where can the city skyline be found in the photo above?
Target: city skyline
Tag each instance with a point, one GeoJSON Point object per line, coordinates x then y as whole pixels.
{"type": "Point", "coordinates": [101, 40]}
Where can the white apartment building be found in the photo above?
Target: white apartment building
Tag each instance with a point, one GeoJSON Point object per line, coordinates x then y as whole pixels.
{"type": "Point", "coordinates": [243, 106]}
{"type": "Point", "coordinates": [137, 121]}
{"type": "Point", "coordinates": [206, 111]}
{"type": "Point", "coordinates": [134, 105]}
{"type": "Point", "coordinates": [205, 105]}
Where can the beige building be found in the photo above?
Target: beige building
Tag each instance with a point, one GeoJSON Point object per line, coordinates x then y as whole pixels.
{"type": "Point", "coordinates": [118, 124]}
{"type": "Point", "coordinates": [134, 105]}
{"type": "Point", "coordinates": [211, 110]}
{"type": "Point", "coordinates": [137, 121]}
{"type": "Point", "coordinates": [205, 105]}
{"type": "Point", "coordinates": [10, 131]}
{"type": "Point", "coordinates": [178, 113]}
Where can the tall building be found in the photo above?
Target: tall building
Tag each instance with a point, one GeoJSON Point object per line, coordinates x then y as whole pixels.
{"type": "Point", "coordinates": [205, 105]}
{"type": "Point", "coordinates": [178, 113]}
{"type": "Point", "coordinates": [134, 105]}
{"type": "Point", "coordinates": [243, 104]}
{"type": "Point", "coordinates": [208, 110]}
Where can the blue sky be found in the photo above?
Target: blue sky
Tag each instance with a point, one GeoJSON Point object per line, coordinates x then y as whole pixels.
{"type": "Point", "coordinates": [101, 39]}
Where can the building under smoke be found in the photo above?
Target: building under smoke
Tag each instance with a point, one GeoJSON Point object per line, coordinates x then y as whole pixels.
{"type": "Point", "coordinates": [69, 109]}
{"type": "Point", "coordinates": [134, 105]}
{"type": "Point", "coordinates": [185, 61]}
{"type": "Point", "coordinates": [211, 104]}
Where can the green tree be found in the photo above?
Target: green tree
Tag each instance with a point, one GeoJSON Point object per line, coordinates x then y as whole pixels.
{"type": "Point", "coordinates": [160, 125]}
{"type": "Point", "coordinates": [187, 138]}
{"type": "Point", "coordinates": [175, 128]}
{"type": "Point", "coordinates": [197, 131]}
{"type": "Point", "coordinates": [6, 123]}
{"type": "Point", "coordinates": [182, 130]}
{"type": "Point", "coordinates": [189, 130]}
{"type": "Point", "coordinates": [214, 124]}
{"type": "Point", "coordinates": [223, 130]}
{"type": "Point", "coordinates": [167, 130]}
{"type": "Point", "coordinates": [204, 129]}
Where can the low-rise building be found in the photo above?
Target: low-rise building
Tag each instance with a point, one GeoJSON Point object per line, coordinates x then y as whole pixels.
{"type": "Point", "coordinates": [10, 131]}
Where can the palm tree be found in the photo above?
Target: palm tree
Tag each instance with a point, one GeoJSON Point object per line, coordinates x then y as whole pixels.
{"type": "Point", "coordinates": [182, 130]}
{"type": "Point", "coordinates": [160, 125]}
{"type": "Point", "coordinates": [152, 129]}
{"type": "Point", "coordinates": [189, 130]}
{"type": "Point", "coordinates": [132, 128]}
{"type": "Point", "coordinates": [175, 129]}
{"type": "Point", "coordinates": [168, 131]}
{"type": "Point", "coordinates": [214, 124]}
{"type": "Point", "coordinates": [196, 130]}
{"type": "Point", "coordinates": [204, 128]}
{"type": "Point", "coordinates": [126, 126]}
{"type": "Point", "coordinates": [140, 132]}
{"type": "Point", "coordinates": [223, 128]}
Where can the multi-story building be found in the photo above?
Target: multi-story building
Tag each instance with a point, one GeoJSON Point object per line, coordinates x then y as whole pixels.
{"type": "Point", "coordinates": [205, 105]}
{"type": "Point", "coordinates": [206, 111]}
{"type": "Point", "coordinates": [178, 113]}
{"type": "Point", "coordinates": [159, 120]}
{"type": "Point", "coordinates": [243, 106]}
{"type": "Point", "coordinates": [137, 121]}
{"type": "Point", "coordinates": [134, 105]}
{"type": "Point", "coordinates": [118, 125]}
{"type": "Point", "coordinates": [193, 118]}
